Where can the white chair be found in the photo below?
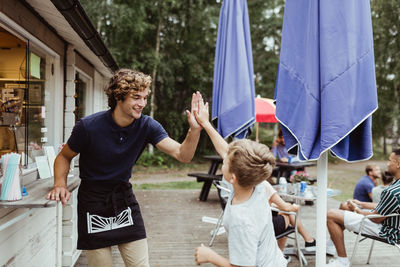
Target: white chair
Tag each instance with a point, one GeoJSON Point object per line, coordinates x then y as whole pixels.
{"type": "Point", "coordinates": [365, 236]}
{"type": "Point", "coordinates": [287, 232]}
{"type": "Point", "coordinates": [223, 201]}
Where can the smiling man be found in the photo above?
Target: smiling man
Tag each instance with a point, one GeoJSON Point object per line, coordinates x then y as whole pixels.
{"type": "Point", "coordinates": [109, 144]}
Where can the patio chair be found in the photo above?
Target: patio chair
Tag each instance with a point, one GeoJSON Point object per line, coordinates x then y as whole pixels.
{"type": "Point", "coordinates": [374, 238]}
{"type": "Point", "coordinates": [292, 229]}
{"type": "Point", "coordinates": [223, 200]}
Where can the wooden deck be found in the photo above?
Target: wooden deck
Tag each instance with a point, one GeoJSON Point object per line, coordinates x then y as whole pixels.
{"type": "Point", "coordinates": [175, 229]}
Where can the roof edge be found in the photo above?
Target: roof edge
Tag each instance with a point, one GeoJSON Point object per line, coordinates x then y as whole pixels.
{"type": "Point", "coordinates": [76, 16]}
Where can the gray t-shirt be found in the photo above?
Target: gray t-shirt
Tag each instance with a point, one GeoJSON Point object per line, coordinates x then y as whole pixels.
{"type": "Point", "coordinates": [376, 193]}
{"type": "Point", "coordinates": [251, 237]}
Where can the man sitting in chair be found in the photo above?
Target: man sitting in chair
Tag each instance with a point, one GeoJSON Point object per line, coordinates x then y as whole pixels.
{"type": "Point", "coordinates": [386, 227]}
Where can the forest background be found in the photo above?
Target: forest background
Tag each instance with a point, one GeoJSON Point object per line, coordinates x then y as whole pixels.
{"type": "Point", "coordinates": [174, 41]}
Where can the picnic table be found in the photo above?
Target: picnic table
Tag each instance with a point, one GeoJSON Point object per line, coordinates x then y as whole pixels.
{"type": "Point", "coordinates": [285, 168]}
{"type": "Point", "coordinates": [209, 177]}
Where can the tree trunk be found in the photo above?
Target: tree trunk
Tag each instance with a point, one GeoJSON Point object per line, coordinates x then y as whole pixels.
{"type": "Point", "coordinates": [396, 114]}
{"type": "Point", "coordinates": [384, 145]}
{"type": "Point", "coordinates": [154, 75]}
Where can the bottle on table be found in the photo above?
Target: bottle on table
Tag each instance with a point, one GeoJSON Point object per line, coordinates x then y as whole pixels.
{"type": "Point", "coordinates": [283, 184]}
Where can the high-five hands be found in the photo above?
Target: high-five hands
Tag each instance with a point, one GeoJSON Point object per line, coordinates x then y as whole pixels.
{"type": "Point", "coordinates": [196, 99]}
{"type": "Point", "coordinates": [202, 114]}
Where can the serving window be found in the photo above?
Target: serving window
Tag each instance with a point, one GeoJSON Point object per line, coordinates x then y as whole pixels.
{"type": "Point", "coordinates": [25, 92]}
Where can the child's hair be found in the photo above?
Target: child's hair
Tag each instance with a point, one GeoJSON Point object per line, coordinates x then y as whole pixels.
{"type": "Point", "coordinates": [250, 161]}
{"type": "Point", "coordinates": [387, 178]}
{"type": "Point", "coordinates": [123, 82]}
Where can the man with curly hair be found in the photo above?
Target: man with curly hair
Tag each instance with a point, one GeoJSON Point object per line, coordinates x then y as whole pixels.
{"type": "Point", "coordinates": [109, 144]}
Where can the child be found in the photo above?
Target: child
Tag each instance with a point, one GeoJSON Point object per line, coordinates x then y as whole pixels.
{"type": "Point", "coordinates": [247, 218]}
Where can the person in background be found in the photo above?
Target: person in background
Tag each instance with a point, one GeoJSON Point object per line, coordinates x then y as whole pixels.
{"type": "Point", "coordinates": [109, 143]}
{"type": "Point", "coordinates": [282, 221]}
{"type": "Point", "coordinates": [247, 217]}
{"type": "Point", "coordinates": [386, 227]}
{"type": "Point", "coordinates": [278, 148]}
{"type": "Point", "coordinates": [387, 179]}
{"type": "Point", "coordinates": [363, 188]}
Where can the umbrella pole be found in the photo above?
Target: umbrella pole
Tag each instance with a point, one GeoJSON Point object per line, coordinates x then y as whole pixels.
{"type": "Point", "coordinates": [257, 131]}
{"type": "Point", "coordinates": [322, 180]}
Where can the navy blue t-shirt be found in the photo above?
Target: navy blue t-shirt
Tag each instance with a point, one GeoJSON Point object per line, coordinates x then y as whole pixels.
{"type": "Point", "coordinates": [362, 188]}
{"type": "Point", "coordinates": [108, 151]}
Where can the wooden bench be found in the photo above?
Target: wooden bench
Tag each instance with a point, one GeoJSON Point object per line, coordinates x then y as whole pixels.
{"type": "Point", "coordinates": [207, 179]}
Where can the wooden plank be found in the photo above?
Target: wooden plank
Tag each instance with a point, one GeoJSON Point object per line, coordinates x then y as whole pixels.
{"type": "Point", "coordinates": [37, 192]}
{"type": "Point", "coordinates": [30, 240]}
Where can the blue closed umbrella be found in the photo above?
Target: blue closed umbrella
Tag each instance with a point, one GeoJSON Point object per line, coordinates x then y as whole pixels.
{"type": "Point", "coordinates": [233, 110]}
{"type": "Point", "coordinates": [326, 88]}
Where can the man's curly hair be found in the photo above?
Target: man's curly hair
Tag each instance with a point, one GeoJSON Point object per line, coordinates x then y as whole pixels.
{"type": "Point", "coordinates": [125, 81]}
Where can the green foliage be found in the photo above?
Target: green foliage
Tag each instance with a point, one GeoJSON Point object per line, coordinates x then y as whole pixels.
{"type": "Point", "coordinates": [147, 159]}
{"type": "Point", "coordinates": [168, 186]}
{"type": "Point", "coordinates": [386, 26]}
{"type": "Point", "coordinates": [266, 18]}
{"type": "Point", "coordinates": [187, 44]}
{"type": "Point", "coordinates": [159, 161]}
{"type": "Point", "coordinates": [188, 36]}
{"type": "Point", "coordinates": [265, 133]}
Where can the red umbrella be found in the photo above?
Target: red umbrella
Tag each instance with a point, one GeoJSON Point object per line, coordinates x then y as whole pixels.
{"type": "Point", "coordinates": [265, 111]}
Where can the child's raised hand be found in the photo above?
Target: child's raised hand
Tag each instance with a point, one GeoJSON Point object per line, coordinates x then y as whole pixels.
{"type": "Point", "coordinates": [201, 254]}
{"type": "Point", "coordinates": [202, 114]}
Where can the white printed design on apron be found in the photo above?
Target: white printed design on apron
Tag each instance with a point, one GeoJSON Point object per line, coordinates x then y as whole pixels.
{"type": "Point", "coordinates": [98, 223]}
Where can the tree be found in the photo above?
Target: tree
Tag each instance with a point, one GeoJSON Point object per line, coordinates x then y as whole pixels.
{"type": "Point", "coordinates": [182, 58]}
{"type": "Point", "coordinates": [386, 25]}
{"type": "Point", "coordinates": [266, 18]}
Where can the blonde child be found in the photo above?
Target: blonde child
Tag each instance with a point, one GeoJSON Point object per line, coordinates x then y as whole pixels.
{"type": "Point", "coordinates": [247, 218]}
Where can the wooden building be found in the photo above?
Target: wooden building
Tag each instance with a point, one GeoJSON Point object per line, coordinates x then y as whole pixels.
{"type": "Point", "coordinates": [53, 69]}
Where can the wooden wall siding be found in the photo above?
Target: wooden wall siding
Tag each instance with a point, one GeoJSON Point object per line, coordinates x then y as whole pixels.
{"type": "Point", "coordinates": [69, 231]}
{"type": "Point", "coordinates": [31, 241]}
{"type": "Point", "coordinates": [4, 212]}
{"type": "Point", "coordinates": [69, 116]}
{"type": "Point", "coordinates": [99, 97]}
{"type": "Point", "coordinates": [82, 64]}
{"type": "Point", "coordinates": [30, 22]}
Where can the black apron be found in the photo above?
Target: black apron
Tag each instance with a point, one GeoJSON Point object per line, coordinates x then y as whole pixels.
{"type": "Point", "coordinates": [108, 214]}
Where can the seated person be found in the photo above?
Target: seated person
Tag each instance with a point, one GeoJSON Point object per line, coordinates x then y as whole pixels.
{"type": "Point", "coordinates": [247, 218]}
{"type": "Point", "coordinates": [278, 148]}
{"type": "Point", "coordinates": [388, 228]}
{"type": "Point", "coordinates": [387, 179]}
{"type": "Point", "coordinates": [282, 221]}
{"type": "Point", "coordinates": [363, 188]}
